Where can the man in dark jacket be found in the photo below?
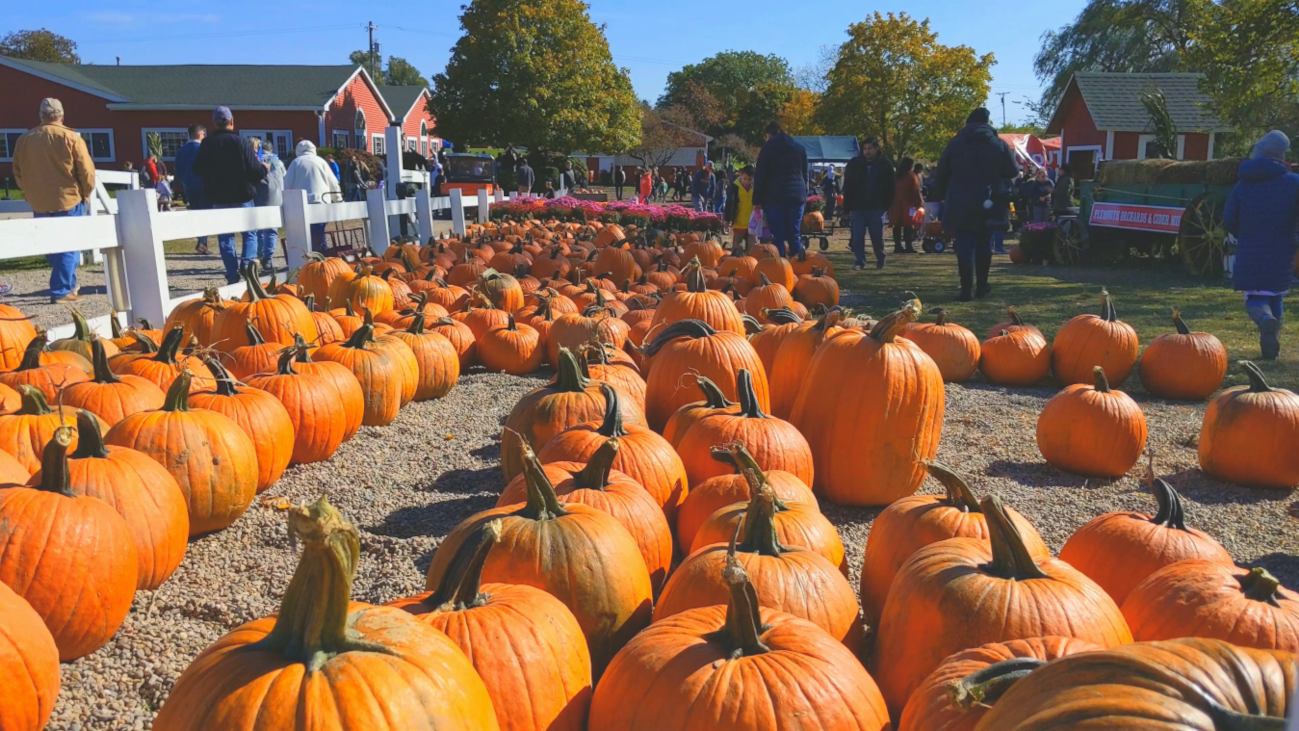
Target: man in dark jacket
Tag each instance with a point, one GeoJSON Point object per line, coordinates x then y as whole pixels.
{"type": "Point", "coordinates": [1263, 212]}
{"type": "Point", "coordinates": [524, 176]}
{"type": "Point", "coordinates": [701, 187]}
{"type": "Point", "coordinates": [568, 178]}
{"type": "Point", "coordinates": [1062, 195]}
{"type": "Point", "coordinates": [619, 180]}
{"type": "Point", "coordinates": [868, 189]}
{"type": "Point", "coordinates": [193, 185]}
{"type": "Point", "coordinates": [973, 181]}
{"type": "Point", "coordinates": [230, 172]}
{"type": "Point", "coordinates": [780, 187]}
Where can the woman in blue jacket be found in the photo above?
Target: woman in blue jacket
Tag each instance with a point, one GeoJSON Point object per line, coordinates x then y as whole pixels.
{"type": "Point", "coordinates": [780, 188]}
{"type": "Point", "coordinates": [1263, 213]}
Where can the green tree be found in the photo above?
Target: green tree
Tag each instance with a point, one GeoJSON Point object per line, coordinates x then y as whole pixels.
{"type": "Point", "coordinates": [797, 116]}
{"type": "Point", "coordinates": [536, 73]}
{"type": "Point", "coordinates": [39, 45]}
{"type": "Point", "coordinates": [893, 80]}
{"type": "Point", "coordinates": [748, 88]}
{"type": "Point", "coordinates": [399, 71]}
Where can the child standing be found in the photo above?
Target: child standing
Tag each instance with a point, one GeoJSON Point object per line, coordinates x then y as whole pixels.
{"type": "Point", "coordinates": [1263, 212]}
{"type": "Point", "coordinates": [739, 209]}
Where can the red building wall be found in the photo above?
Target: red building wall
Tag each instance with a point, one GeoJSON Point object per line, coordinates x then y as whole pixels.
{"type": "Point", "coordinates": [1125, 146]}
{"type": "Point", "coordinates": [1196, 146]}
{"type": "Point", "coordinates": [1077, 128]}
{"type": "Point", "coordinates": [22, 100]}
{"type": "Point", "coordinates": [129, 125]}
{"type": "Point", "coordinates": [342, 113]}
{"type": "Point", "coordinates": [418, 113]}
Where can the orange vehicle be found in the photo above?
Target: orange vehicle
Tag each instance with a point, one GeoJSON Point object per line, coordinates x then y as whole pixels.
{"type": "Point", "coordinates": [469, 173]}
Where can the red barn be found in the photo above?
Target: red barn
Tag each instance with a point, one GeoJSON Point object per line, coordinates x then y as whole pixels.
{"type": "Point", "coordinates": [1101, 117]}
{"type": "Point", "coordinates": [410, 110]}
{"type": "Point", "coordinates": [116, 107]}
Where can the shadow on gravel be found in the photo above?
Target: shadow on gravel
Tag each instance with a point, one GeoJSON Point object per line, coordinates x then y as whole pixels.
{"type": "Point", "coordinates": [1200, 488]}
{"type": "Point", "coordinates": [434, 519]}
{"type": "Point", "coordinates": [1278, 564]}
{"type": "Point", "coordinates": [1040, 474]}
{"type": "Point", "coordinates": [465, 482]}
{"type": "Point", "coordinates": [488, 452]}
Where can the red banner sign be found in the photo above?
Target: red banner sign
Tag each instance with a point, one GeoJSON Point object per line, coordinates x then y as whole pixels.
{"type": "Point", "coordinates": [1158, 219]}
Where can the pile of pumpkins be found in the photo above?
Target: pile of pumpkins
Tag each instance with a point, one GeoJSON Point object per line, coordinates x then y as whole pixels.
{"type": "Point", "coordinates": [658, 558]}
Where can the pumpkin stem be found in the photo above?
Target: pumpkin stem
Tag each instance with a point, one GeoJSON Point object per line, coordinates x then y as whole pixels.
{"type": "Point", "coordinates": [959, 494]}
{"type": "Point", "coordinates": [1107, 307]}
{"type": "Point", "coordinates": [679, 329]}
{"type": "Point", "coordinates": [285, 365]}
{"type": "Point", "coordinates": [595, 475]}
{"type": "Point", "coordinates": [144, 323]}
{"type": "Point", "coordinates": [417, 323]}
{"type": "Point", "coordinates": [612, 426]}
{"type": "Point", "coordinates": [32, 355]}
{"type": "Point", "coordinates": [1257, 383]}
{"type": "Point", "coordinates": [178, 394]}
{"type": "Point", "coordinates": [940, 316]}
{"type": "Point", "coordinates": [312, 624]}
{"type": "Point", "coordinates": [255, 290]}
{"type": "Point", "coordinates": [1010, 558]}
{"type": "Point", "coordinates": [146, 343]}
{"type": "Point", "coordinates": [1180, 324]}
{"type": "Point", "coordinates": [747, 466]}
{"type": "Point", "coordinates": [749, 406]}
{"type": "Point", "coordinates": [1225, 719]}
{"type": "Point", "coordinates": [226, 383]}
{"type": "Point", "coordinates": [751, 324]}
{"type": "Point", "coordinates": [33, 401]}
{"type": "Point", "coordinates": [1102, 383]}
{"type": "Point", "coordinates": [765, 281]}
{"type": "Point", "coordinates": [55, 476]}
{"type": "Point", "coordinates": [695, 276]}
{"type": "Point", "coordinates": [542, 504]}
{"type": "Point", "coordinates": [781, 316]}
{"type": "Point", "coordinates": [984, 687]}
{"type": "Point", "coordinates": [1013, 316]}
{"type": "Point", "coordinates": [759, 523]}
{"type": "Point", "coordinates": [114, 326]}
{"type": "Point", "coordinates": [99, 358]}
{"type": "Point", "coordinates": [170, 346]}
{"type": "Point", "coordinates": [254, 335]}
{"type": "Point", "coordinates": [569, 379]}
{"type": "Point", "coordinates": [510, 323]}
{"type": "Point", "coordinates": [742, 633]}
{"type": "Point", "coordinates": [461, 586]}
{"type": "Point", "coordinates": [1258, 585]}
{"type": "Point", "coordinates": [713, 396]}
{"type": "Point", "coordinates": [1171, 513]}
{"type": "Point", "coordinates": [362, 336]}
{"type": "Point", "coordinates": [888, 328]}
{"type": "Point", "coordinates": [80, 328]}
{"type": "Point", "coordinates": [90, 440]}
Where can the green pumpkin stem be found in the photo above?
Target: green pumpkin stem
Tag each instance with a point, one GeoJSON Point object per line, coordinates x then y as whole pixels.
{"type": "Point", "coordinates": [612, 426]}
{"type": "Point", "coordinates": [417, 323]}
{"type": "Point", "coordinates": [178, 394]}
{"type": "Point", "coordinates": [1107, 307]}
{"type": "Point", "coordinates": [987, 685]}
{"type": "Point", "coordinates": [170, 346]}
{"type": "Point", "coordinates": [284, 367]}
{"type": "Point", "coordinates": [226, 384]}
{"type": "Point", "coordinates": [146, 343]}
{"type": "Point", "coordinates": [1102, 383]}
{"type": "Point", "coordinates": [1010, 557]}
{"type": "Point", "coordinates": [1180, 324]}
{"type": "Point", "coordinates": [543, 503]}
{"type": "Point", "coordinates": [312, 625]}
{"type": "Point", "coordinates": [1013, 315]}
{"type": "Point", "coordinates": [32, 355]}
{"type": "Point", "coordinates": [759, 524]}
{"type": "Point", "coordinates": [461, 586]}
{"type": "Point", "coordinates": [114, 325]}
{"type": "Point", "coordinates": [781, 316]}
{"type": "Point", "coordinates": [695, 281]}
{"type": "Point", "coordinates": [888, 328]}
{"type": "Point", "coordinates": [959, 494]}
{"type": "Point", "coordinates": [33, 401]}
{"type": "Point", "coordinates": [940, 316]}
{"type": "Point", "coordinates": [595, 475]}
{"type": "Point", "coordinates": [751, 324]}
{"type": "Point", "coordinates": [1257, 383]}
{"type": "Point", "coordinates": [679, 329]}
{"type": "Point", "coordinates": [363, 335]}
{"type": "Point", "coordinates": [99, 358]}
{"type": "Point", "coordinates": [254, 335]}
{"type": "Point", "coordinates": [569, 378]}
{"type": "Point", "coordinates": [80, 328]}
{"type": "Point", "coordinates": [742, 633]}
{"type": "Point", "coordinates": [55, 476]}
{"type": "Point", "coordinates": [90, 440]}
{"type": "Point", "coordinates": [255, 290]}
{"type": "Point", "coordinates": [1260, 586]}
{"type": "Point", "coordinates": [1170, 514]}
{"type": "Point", "coordinates": [750, 408]}
{"type": "Point", "coordinates": [713, 396]}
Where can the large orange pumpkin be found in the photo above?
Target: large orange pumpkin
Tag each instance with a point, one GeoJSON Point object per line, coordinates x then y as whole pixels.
{"type": "Point", "coordinates": [58, 549]}
{"type": "Point", "coordinates": [779, 324]}
{"type": "Point", "coordinates": [25, 432]}
{"type": "Point", "coordinates": [1184, 365]}
{"type": "Point", "coordinates": [255, 356]}
{"type": "Point", "coordinates": [865, 455]}
{"type": "Point", "coordinates": [109, 396]}
{"type": "Point", "coordinates": [327, 662]}
{"type": "Point", "coordinates": [816, 289]}
{"type": "Point", "coordinates": [961, 593]}
{"type": "Point", "coordinates": [539, 678]}
{"type": "Point", "coordinates": [277, 318]}
{"type": "Point", "coordinates": [1249, 434]}
{"type": "Point", "coordinates": [377, 372]}
{"type": "Point", "coordinates": [789, 368]}
{"type": "Point", "coordinates": [697, 302]}
{"type": "Point", "coordinates": [162, 367]}
{"type": "Point", "coordinates": [1087, 341]}
{"type": "Point", "coordinates": [739, 667]}
{"type": "Point", "coordinates": [685, 417]}
{"type": "Point", "coordinates": [32, 370]}
{"type": "Point", "coordinates": [318, 405]}
{"type": "Point", "coordinates": [438, 361]}
{"type": "Point", "coordinates": [512, 348]}
{"type": "Point", "coordinates": [29, 665]}
{"type": "Point", "coordinates": [1092, 430]}
{"type": "Point", "coordinates": [1013, 323]}
{"type": "Point", "coordinates": [260, 414]}
{"type": "Point", "coordinates": [16, 331]}
{"type": "Point", "coordinates": [211, 458]}
{"type": "Point", "coordinates": [954, 348]}
{"type": "Point", "coordinates": [1015, 358]}
{"type": "Point", "coordinates": [687, 349]}
{"type": "Point", "coordinates": [197, 317]}
{"type": "Point", "coordinates": [318, 273]}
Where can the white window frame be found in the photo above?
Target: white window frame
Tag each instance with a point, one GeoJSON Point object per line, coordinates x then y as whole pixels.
{"type": "Point", "coordinates": [377, 141]}
{"type": "Point", "coordinates": [112, 143]}
{"type": "Point", "coordinates": [144, 138]}
{"type": "Point", "coordinates": [360, 129]}
{"type": "Point", "coordinates": [1181, 147]}
{"type": "Point", "coordinates": [8, 131]}
{"type": "Point", "coordinates": [262, 133]}
{"type": "Point", "coordinates": [347, 138]}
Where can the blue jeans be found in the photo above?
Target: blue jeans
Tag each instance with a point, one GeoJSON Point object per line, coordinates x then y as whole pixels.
{"type": "Point", "coordinates": [700, 202]}
{"type": "Point", "coordinates": [318, 237]}
{"type": "Point", "coordinates": [864, 222]}
{"type": "Point", "coordinates": [784, 222]}
{"type": "Point", "coordinates": [267, 239]}
{"type": "Point", "coordinates": [719, 205]}
{"type": "Point", "coordinates": [1258, 305]}
{"type": "Point", "coordinates": [63, 267]}
{"type": "Point", "coordinates": [999, 242]}
{"type": "Point", "coordinates": [226, 242]}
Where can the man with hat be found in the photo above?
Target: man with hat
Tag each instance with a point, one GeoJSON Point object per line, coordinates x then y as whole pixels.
{"type": "Point", "coordinates": [230, 172]}
{"type": "Point", "coordinates": [56, 174]}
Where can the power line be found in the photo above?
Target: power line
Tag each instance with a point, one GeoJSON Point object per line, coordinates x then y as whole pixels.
{"type": "Point", "coordinates": [225, 34]}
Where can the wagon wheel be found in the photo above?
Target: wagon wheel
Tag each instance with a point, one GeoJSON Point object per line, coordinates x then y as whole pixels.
{"type": "Point", "coordinates": [1202, 237]}
{"type": "Point", "coordinates": [1072, 245]}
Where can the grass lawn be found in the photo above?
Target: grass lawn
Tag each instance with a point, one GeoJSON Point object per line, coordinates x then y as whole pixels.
{"type": "Point", "coordinates": [1145, 292]}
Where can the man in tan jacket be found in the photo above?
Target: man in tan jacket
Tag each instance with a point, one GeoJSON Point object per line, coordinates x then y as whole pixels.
{"type": "Point", "coordinates": [54, 170]}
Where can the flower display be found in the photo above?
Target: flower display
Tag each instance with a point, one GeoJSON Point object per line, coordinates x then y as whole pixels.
{"type": "Point", "coordinates": [671, 217]}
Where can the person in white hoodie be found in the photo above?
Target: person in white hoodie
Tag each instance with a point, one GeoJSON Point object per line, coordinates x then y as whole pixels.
{"type": "Point", "coordinates": [311, 172]}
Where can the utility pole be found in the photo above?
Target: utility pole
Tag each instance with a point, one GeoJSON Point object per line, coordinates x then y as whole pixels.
{"type": "Point", "coordinates": [370, 26]}
{"type": "Point", "coordinates": [1003, 94]}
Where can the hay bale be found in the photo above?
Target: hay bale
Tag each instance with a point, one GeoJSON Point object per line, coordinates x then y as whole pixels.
{"type": "Point", "coordinates": [1168, 172]}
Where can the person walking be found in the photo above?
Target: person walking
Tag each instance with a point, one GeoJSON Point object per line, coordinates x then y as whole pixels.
{"type": "Point", "coordinates": [1040, 196]}
{"type": "Point", "coordinates": [54, 170]}
{"type": "Point", "coordinates": [619, 180]}
{"type": "Point", "coordinates": [190, 183]}
{"type": "Point", "coordinates": [1062, 195]}
{"type": "Point", "coordinates": [567, 178]}
{"type": "Point", "coordinates": [1262, 212]}
{"type": "Point", "coordinates": [701, 187]}
{"type": "Point", "coordinates": [780, 187]}
{"type": "Point", "coordinates": [973, 181]}
{"type": "Point", "coordinates": [869, 188]}
{"type": "Point", "coordinates": [907, 203]}
{"type": "Point", "coordinates": [311, 173]}
{"type": "Point", "coordinates": [739, 209]}
{"type": "Point", "coordinates": [719, 193]}
{"type": "Point", "coordinates": [230, 171]}
{"type": "Point", "coordinates": [270, 192]}
{"type": "Point", "coordinates": [333, 167]}
{"type": "Point", "coordinates": [646, 185]}
{"type": "Point", "coordinates": [829, 192]}
{"type": "Point", "coordinates": [524, 177]}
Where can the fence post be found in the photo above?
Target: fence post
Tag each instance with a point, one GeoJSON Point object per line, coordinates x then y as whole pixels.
{"type": "Point", "coordinates": [424, 215]}
{"type": "Point", "coordinates": [377, 221]}
{"type": "Point", "coordinates": [484, 206]}
{"type": "Point", "coordinates": [297, 232]}
{"type": "Point", "coordinates": [146, 270]}
{"type": "Point", "coordinates": [458, 212]}
{"type": "Point", "coordinates": [498, 195]}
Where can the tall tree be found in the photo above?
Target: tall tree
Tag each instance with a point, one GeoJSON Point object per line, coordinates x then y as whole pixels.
{"type": "Point", "coordinates": [537, 73]}
{"type": "Point", "coordinates": [660, 137]}
{"type": "Point", "coordinates": [797, 117]}
{"type": "Point", "coordinates": [39, 45]}
{"type": "Point", "coordinates": [748, 88]}
{"type": "Point", "coordinates": [399, 71]}
{"type": "Point", "coordinates": [894, 80]}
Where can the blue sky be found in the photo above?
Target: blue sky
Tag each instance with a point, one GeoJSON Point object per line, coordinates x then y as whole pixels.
{"type": "Point", "coordinates": [651, 39]}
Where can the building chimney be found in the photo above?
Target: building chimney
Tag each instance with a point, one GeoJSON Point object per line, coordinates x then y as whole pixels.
{"type": "Point", "coordinates": [119, 60]}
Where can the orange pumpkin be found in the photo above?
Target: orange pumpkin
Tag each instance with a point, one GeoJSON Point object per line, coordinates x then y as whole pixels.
{"type": "Point", "coordinates": [438, 361]}
{"type": "Point", "coordinates": [112, 397]}
{"type": "Point", "coordinates": [1087, 341]}
{"type": "Point", "coordinates": [794, 356]}
{"type": "Point", "coordinates": [697, 302]}
{"type": "Point", "coordinates": [816, 289]}
{"type": "Point", "coordinates": [377, 372]}
{"type": "Point", "coordinates": [1249, 433]}
{"type": "Point", "coordinates": [511, 348]}
{"type": "Point", "coordinates": [687, 349]}
{"type": "Point", "coordinates": [1092, 430]}
{"type": "Point", "coordinates": [277, 318]}
{"type": "Point", "coordinates": [197, 317]}
{"type": "Point", "coordinates": [16, 332]}
{"type": "Point", "coordinates": [50, 378]}
{"type": "Point", "coordinates": [1183, 365]}
{"type": "Point", "coordinates": [1015, 358]}
{"type": "Point", "coordinates": [322, 402]}
{"type": "Point", "coordinates": [954, 348]}
{"type": "Point", "coordinates": [164, 366]}
{"type": "Point", "coordinates": [29, 665]}
{"type": "Point", "coordinates": [262, 417]}
{"type": "Point", "coordinates": [24, 433]}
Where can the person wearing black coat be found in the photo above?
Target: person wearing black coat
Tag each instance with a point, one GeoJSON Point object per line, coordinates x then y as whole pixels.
{"type": "Point", "coordinates": [973, 181]}
{"type": "Point", "coordinates": [524, 177]}
{"type": "Point", "coordinates": [619, 180]}
{"type": "Point", "coordinates": [780, 188]}
{"type": "Point", "coordinates": [868, 190]}
{"type": "Point", "coordinates": [230, 172]}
